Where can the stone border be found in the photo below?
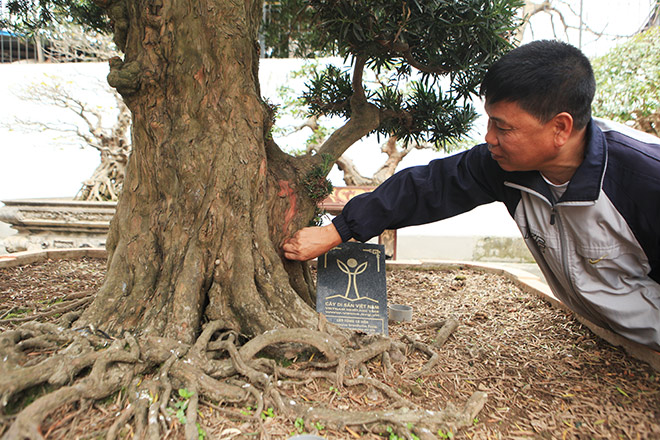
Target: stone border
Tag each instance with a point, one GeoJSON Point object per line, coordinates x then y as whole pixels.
{"type": "Point", "coordinates": [524, 280]}
{"type": "Point", "coordinates": [29, 257]}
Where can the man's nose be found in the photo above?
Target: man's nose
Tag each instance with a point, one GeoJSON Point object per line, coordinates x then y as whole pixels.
{"type": "Point", "coordinates": [490, 137]}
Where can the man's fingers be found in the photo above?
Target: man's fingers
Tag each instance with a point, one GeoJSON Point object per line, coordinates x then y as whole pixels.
{"type": "Point", "coordinates": [291, 248]}
{"type": "Point", "coordinates": [310, 242]}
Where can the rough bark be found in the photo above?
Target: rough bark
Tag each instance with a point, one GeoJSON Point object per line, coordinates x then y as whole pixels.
{"type": "Point", "coordinates": [207, 198]}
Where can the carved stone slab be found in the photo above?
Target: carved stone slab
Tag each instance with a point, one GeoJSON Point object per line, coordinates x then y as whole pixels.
{"type": "Point", "coordinates": [55, 223]}
{"type": "Point", "coordinates": [351, 287]}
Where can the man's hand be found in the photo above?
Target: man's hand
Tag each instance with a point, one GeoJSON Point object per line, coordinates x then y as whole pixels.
{"type": "Point", "coordinates": [309, 243]}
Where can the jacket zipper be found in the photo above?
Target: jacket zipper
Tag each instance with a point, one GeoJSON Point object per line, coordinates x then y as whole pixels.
{"type": "Point", "coordinates": [555, 220]}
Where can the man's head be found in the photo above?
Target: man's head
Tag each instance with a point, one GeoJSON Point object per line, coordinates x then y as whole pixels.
{"type": "Point", "coordinates": [544, 78]}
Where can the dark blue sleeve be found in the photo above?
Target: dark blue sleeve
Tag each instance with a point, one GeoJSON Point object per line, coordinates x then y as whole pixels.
{"type": "Point", "coordinates": [424, 194]}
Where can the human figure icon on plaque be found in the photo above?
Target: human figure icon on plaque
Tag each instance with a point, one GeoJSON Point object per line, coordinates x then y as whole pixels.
{"type": "Point", "coordinates": [352, 270]}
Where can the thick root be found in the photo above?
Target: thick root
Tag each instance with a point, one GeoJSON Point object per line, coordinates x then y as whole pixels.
{"type": "Point", "coordinates": [214, 369]}
{"type": "Point", "coordinates": [104, 379]}
{"type": "Point", "coordinates": [422, 423]}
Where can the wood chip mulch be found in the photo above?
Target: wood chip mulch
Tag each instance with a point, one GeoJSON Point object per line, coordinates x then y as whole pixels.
{"type": "Point", "coordinates": [547, 376]}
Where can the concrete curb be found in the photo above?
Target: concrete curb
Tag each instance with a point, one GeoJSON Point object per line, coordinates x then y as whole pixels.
{"type": "Point", "coordinates": [524, 280]}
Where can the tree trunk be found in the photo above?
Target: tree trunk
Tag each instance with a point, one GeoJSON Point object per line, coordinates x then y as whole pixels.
{"type": "Point", "coordinates": [207, 198]}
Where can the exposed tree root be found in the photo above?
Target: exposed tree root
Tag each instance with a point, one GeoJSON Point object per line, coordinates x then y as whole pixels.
{"type": "Point", "coordinates": [433, 359]}
{"type": "Point", "coordinates": [101, 382]}
{"type": "Point", "coordinates": [70, 303]}
{"type": "Point", "coordinates": [216, 370]}
{"type": "Point", "coordinates": [423, 423]}
{"type": "Point", "coordinates": [445, 331]}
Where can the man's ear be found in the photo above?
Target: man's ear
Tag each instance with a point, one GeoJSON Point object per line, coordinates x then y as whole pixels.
{"type": "Point", "coordinates": [562, 124]}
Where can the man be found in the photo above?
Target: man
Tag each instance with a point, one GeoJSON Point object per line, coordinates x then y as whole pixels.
{"type": "Point", "coordinates": [585, 193]}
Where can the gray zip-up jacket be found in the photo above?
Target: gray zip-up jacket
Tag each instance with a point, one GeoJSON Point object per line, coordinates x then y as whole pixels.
{"type": "Point", "coordinates": [598, 245]}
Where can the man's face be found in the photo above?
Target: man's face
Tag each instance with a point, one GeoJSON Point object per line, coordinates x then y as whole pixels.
{"type": "Point", "coordinates": [517, 140]}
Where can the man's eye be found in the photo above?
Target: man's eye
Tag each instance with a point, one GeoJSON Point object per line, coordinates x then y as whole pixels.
{"type": "Point", "coordinates": [499, 127]}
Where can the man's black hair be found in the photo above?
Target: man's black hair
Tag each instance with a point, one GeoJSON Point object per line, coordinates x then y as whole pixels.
{"type": "Point", "coordinates": [544, 78]}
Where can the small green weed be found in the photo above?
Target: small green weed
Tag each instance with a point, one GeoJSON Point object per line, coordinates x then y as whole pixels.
{"type": "Point", "coordinates": [267, 413]}
{"type": "Point", "coordinates": [442, 434]}
{"type": "Point", "coordinates": [180, 411]}
{"type": "Point", "coordinates": [393, 435]}
{"type": "Point", "coordinates": [300, 426]}
{"type": "Point", "coordinates": [18, 313]}
{"type": "Point", "coordinates": [410, 428]}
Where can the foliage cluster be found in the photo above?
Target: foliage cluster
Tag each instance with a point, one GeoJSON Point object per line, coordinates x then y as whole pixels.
{"type": "Point", "coordinates": [628, 79]}
{"type": "Point", "coordinates": [429, 57]}
{"type": "Point", "coordinates": [30, 15]}
{"type": "Point", "coordinates": [318, 186]}
{"type": "Point", "coordinates": [65, 31]}
{"type": "Point", "coordinates": [286, 30]}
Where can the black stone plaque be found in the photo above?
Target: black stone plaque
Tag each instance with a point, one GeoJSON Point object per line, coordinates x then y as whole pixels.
{"type": "Point", "coordinates": [351, 289]}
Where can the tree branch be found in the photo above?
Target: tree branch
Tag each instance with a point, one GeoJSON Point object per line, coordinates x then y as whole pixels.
{"type": "Point", "coordinates": [358, 74]}
{"type": "Point", "coordinates": [405, 50]}
{"type": "Point", "coordinates": [438, 70]}
{"type": "Point", "coordinates": [363, 121]}
{"type": "Point", "coordinates": [365, 117]}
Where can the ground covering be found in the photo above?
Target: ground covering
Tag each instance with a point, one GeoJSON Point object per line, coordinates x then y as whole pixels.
{"type": "Point", "coordinates": [475, 339]}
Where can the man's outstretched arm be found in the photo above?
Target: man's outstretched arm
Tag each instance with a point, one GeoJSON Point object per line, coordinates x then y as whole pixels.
{"type": "Point", "coordinates": [309, 243]}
